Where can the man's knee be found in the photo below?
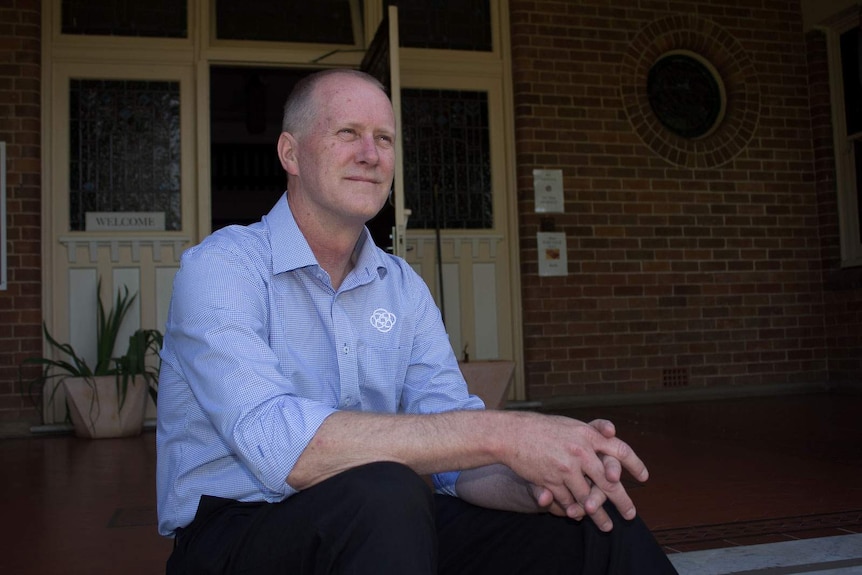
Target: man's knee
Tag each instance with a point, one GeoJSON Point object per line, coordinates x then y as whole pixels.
{"type": "Point", "coordinates": [388, 520]}
{"type": "Point", "coordinates": [389, 488]}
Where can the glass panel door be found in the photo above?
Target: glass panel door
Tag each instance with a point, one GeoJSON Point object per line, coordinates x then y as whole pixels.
{"type": "Point", "coordinates": [122, 193]}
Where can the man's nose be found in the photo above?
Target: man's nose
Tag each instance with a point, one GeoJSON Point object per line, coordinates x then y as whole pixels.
{"type": "Point", "coordinates": [368, 152]}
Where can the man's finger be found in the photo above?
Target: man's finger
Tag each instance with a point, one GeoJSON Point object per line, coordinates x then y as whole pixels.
{"type": "Point", "coordinates": [544, 498]}
{"type": "Point", "coordinates": [562, 495]}
{"type": "Point", "coordinates": [613, 469]}
{"type": "Point", "coordinates": [605, 427]}
{"type": "Point", "coordinates": [622, 452]}
{"type": "Point", "coordinates": [602, 520]}
{"type": "Point", "coordinates": [616, 494]}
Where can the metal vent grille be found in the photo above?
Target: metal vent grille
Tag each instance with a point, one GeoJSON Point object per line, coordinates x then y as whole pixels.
{"type": "Point", "coordinates": [674, 377]}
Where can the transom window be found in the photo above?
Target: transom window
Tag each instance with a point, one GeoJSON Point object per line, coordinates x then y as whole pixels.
{"type": "Point", "coordinates": [321, 21]}
{"type": "Point", "coordinates": [153, 18]}
{"type": "Point", "coordinates": [445, 24]}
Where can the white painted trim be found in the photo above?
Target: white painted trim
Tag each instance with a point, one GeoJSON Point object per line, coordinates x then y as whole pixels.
{"type": "Point", "coordinates": [487, 344]}
{"type": "Point", "coordinates": [114, 243]}
{"type": "Point", "coordinates": [82, 313]}
{"type": "Point", "coordinates": [845, 175]}
{"type": "Point", "coordinates": [124, 277]}
{"type": "Point", "coordinates": [453, 307]}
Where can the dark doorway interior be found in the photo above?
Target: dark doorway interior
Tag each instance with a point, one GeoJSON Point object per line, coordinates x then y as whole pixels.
{"type": "Point", "coordinates": [246, 106]}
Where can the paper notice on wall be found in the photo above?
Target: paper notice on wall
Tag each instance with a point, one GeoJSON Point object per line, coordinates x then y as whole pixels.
{"type": "Point", "coordinates": [552, 254]}
{"type": "Point", "coordinates": [548, 187]}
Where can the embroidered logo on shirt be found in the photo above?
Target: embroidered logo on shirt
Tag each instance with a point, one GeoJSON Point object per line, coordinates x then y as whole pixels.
{"type": "Point", "coordinates": [383, 320]}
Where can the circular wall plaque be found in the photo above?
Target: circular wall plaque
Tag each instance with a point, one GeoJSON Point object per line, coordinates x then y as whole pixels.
{"type": "Point", "coordinates": [686, 94]}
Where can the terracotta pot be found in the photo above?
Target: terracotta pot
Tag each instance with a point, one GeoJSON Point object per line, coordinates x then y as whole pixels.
{"type": "Point", "coordinates": [93, 406]}
{"type": "Point", "coordinates": [490, 380]}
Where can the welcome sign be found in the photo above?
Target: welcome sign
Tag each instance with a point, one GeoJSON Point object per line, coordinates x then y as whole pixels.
{"type": "Point", "coordinates": [125, 221]}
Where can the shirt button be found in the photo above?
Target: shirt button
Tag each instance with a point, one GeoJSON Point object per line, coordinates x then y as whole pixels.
{"type": "Point", "coordinates": [346, 348]}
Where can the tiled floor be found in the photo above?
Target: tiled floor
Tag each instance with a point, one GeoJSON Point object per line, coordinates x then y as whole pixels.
{"type": "Point", "coordinates": [746, 471]}
{"type": "Point", "coordinates": [725, 474]}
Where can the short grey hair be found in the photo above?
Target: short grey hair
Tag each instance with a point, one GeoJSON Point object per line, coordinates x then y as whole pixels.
{"type": "Point", "coordinates": [301, 105]}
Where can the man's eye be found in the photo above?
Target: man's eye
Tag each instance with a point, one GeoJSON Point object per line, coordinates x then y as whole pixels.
{"type": "Point", "coordinates": [347, 132]}
{"type": "Point", "coordinates": [385, 140]}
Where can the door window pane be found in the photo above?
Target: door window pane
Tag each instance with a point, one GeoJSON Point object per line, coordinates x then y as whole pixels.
{"type": "Point", "coordinates": [153, 18]}
{"type": "Point", "coordinates": [322, 21]}
{"type": "Point", "coordinates": [447, 160]}
{"type": "Point", "coordinates": [444, 24]}
{"type": "Point", "coordinates": [851, 73]}
{"type": "Point", "coordinates": [857, 160]}
{"type": "Point", "coordinates": [124, 149]}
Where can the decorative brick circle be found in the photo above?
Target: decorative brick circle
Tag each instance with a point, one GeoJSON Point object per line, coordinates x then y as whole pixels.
{"type": "Point", "coordinates": [726, 55]}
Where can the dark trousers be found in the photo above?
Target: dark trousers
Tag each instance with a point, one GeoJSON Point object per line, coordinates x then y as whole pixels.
{"type": "Point", "coordinates": [382, 519]}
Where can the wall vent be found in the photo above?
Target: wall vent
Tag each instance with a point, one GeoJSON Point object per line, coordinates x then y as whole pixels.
{"type": "Point", "coordinates": [674, 377]}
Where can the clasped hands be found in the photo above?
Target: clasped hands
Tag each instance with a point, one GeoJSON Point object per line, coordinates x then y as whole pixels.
{"type": "Point", "coordinates": [574, 467]}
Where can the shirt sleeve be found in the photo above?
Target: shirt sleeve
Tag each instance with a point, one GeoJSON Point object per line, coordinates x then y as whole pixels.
{"type": "Point", "coordinates": [218, 341]}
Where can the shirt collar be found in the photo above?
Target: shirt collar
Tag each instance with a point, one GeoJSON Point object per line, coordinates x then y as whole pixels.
{"type": "Point", "coordinates": [290, 249]}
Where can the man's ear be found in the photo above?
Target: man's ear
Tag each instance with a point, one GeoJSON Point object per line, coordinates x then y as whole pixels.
{"type": "Point", "coordinates": [287, 153]}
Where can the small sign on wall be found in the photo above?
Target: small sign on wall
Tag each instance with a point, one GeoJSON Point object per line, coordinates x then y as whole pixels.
{"type": "Point", "coordinates": [548, 189]}
{"type": "Point", "coordinates": [553, 260]}
{"type": "Point", "coordinates": [125, 221]}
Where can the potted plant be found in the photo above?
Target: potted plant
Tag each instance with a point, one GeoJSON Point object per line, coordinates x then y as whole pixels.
{"type": "Point", "coordinates": [109, 399]}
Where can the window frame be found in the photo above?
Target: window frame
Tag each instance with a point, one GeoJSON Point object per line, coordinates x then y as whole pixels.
{"type": "Point", "coordinates": [62, 75]}
{"type": "Point", "coordinates": [121, 46]}
{"type": "Point", "coordinates": [314, 55]}
{"type": "Point", "coordinates": [846, 186]}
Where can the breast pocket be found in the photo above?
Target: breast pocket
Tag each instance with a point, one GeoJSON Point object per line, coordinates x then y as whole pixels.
{"type": "Point", "coordinates": [381, 376]}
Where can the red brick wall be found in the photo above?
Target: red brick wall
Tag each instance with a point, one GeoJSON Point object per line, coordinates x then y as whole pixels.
{"type": "Point", "coordinates": [703, 269]}
{"type": "Point", "coordinates": [679, 274]}
{"type": "Point", "coordinates": [20, 97]}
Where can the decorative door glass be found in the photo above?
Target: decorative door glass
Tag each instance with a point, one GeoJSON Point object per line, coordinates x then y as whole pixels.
{"type": "Point", "coordinates": [124, 150]}
{"type": "Point", "coordinates": [447, 159]}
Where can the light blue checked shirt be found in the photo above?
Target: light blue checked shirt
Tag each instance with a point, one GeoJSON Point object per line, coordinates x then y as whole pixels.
{"type": "Point", "coordinates": [259, 350]}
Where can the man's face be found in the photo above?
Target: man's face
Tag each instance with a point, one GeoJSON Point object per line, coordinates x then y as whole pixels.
{"type": "Point", "coordinates": [345, 158]}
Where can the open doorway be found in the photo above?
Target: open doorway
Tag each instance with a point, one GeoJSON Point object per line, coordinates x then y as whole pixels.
{"type": "Point", "coordinates": [246, 107]}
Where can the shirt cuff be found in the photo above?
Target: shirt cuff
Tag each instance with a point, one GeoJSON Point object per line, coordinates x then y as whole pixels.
{"type": "Point", "coordinates": [445, 482]}
{"type": "Point", "coordinates": [272, 455]}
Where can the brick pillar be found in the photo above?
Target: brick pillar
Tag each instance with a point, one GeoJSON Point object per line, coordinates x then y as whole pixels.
{"type": "Point", "coordinates": [20, 118]}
